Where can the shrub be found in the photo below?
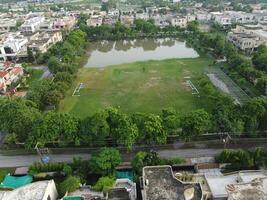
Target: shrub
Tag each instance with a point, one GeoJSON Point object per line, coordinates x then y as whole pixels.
{"type": "Point", "coordinates": [48, 167]}
{"type": "Point", "coordinates": [70, 184]}
{"type": "Point", "coordinates": [67, 170]}
{"type": "Point", "coordinates": [104, 184]}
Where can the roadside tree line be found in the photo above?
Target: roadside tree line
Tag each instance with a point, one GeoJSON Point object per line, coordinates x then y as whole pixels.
{"type": "Point", "coordinates": [25, 123]}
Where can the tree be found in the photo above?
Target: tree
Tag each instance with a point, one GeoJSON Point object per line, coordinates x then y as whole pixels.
{"type": "Point", "coordinates": [170, 120]}
{"type": "Point", "coordinates": [226, 116]}
{"type": "Point", "coordinates": [122, 129]}
{"type": "Point", "coordinates": [195, 123]}
{"type": "Point", "coordinates": [95, 129]}
{"type": "Point", "coordinates": [138, 162]}
{"type": "Point", "coordinates": [71, 184]}
{"type": "Point", "coordinates": [104, 184]}
{"type": "Point", "coordinates": [54, 64]}
{"type": "Point", "coordinates": [64, 77]}
{"type": "Point", "coordinates": [252, 113]}
{"type": "Point", "coordinates": [67, 170]}
{"type": "Point", "coordinates": [193, 26]}
{"type": "Point", "coordinates": [54, 127]}
{"type": "Point", "coordinates": [19, 117]}
{"type": "Point", "coordinates": [105, 161]}
{"type": "Point", "coordinates": [150, 127]}
{"type": "Point", "coordinates": [143, 159]}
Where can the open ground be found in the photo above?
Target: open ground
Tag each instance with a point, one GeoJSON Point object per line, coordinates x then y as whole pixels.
{"type": "Point", "coordinates": [138, 87]}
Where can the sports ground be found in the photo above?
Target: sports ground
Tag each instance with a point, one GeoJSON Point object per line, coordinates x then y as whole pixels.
{"type": "Point", "coordinates": [138, 87]}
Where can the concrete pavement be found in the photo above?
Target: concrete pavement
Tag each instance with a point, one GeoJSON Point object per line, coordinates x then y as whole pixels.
{"type": "Point", "coordinates": [25, 160]}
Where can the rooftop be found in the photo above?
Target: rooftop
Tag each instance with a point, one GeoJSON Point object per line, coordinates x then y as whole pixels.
{"type": "Point", "coordinates": [160, 184]}
{"type": "Point", "coordinates": [256, 190]}
{"type": "Point", "coordinates": [33, 191]}
{"type": "Point", "coordinates": [218, 184]}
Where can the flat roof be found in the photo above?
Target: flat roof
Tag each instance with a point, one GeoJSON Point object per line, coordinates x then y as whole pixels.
{"type": "Point", "coordinates": [218, 184]}
{"type": "Point", "coordinates": [33, 191]}
{"type": "Point", "coordinates": [160, 184]}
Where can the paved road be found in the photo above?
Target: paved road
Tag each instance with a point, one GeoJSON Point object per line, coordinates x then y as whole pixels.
{"type": "Point", "coordinates": [25, 160]}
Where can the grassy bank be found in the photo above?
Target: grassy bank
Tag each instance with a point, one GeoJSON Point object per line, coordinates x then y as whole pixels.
{"type": "Point", "coordinates": [142, 86]}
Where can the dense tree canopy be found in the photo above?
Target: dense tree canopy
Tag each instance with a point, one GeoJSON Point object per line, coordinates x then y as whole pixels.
{"type": "Point", "coordinates": [195, 123]}
{"type": "Point", "coordinates": [18, 116]}
{"type": "Point", "coordinates": [105, 161]}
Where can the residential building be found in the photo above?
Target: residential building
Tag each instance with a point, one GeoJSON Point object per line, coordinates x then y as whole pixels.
{"type": "Point", "coordinates": [65, 23]}
{"type": "Point", "coordinates": [95, 20]}
{"type": "Point", "coordinates": [123, 189]}
{"type": "Point", "coordinates": [142, 15]}
{"type": "Point", "coordinates": [179, 21]}
{"type": "Point", "coordinates": [245, 41]}
{"type": "Point", "coordinates": [159, 183]}
{"type": "Point", "coordinates": [47, 25]}
{"type": "Point", "coordinates": [161, 20]}
{"type": "Point", "coordinates": [110, 20]}
{"type": "Point", "coordinates": [256, 30]}
{"type": "Point", "coordinates": [221, 18]}
{"type": "Point", "coordinates": [203, 16]}
{"type": "Point", "coordinates": [31, 25]}
{"type": "Point", "coordinates": [114, 12]}
{"type": "Point", "coordinates": [191, 18]}
{"type": "Point", "coordinates": [41, 190]}
{"type": "Point", "coordinates": [241, 17]}
{"type": "Point", "coordinates": [12, 44]}
{"type": "Point", "coordinates": [7, 24]}
{"type": "Point", "coordinates": [9, 73]}
{"type": "Point", "coordinates": [127, 20]}
{"type": "Point", "coordinates": [256, 189]}
{"type": "Point", "coordinates": [41, 41]}
{"type": "Point", "coordinates": [231, 185]}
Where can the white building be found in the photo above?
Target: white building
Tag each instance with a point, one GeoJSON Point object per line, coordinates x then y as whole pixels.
{"type": "Point", "coordinates": [221, 185]}
{"type": "Point", "coordinates": [41, 190]}
{"type": "Point", "coordinates": [31, 25]}
{"type": "Point", "coordinates": [114, 12]}
{"type": "Point", "coordinates": [221, 18]}
{"type": "Point", "coordinates": [191, 18]}
{"type": "Point", "coordinates": [179, 21]}
{"type": "Point", "coordinates": [10, 45]}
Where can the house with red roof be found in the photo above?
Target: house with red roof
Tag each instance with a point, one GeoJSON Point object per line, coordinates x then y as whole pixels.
{"type": "Point", "coordinates": [9, 73]}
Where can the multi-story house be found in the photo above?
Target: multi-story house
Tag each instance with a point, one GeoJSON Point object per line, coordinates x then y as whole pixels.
{"type": "Point", "coordinates": [11, 44]}
{"type": "Point", "coordinates": [9, 73]}
{"type": "Point", "coordinates": [179, 21]}
{"type": "Point", "coordinates": [7, 24]}
{"type": "Point", "coordinates": [42, 41]}
{"type": "Point", "coordinates": [95, 20]}
{"type": "Point", "coordinates": [66, 23]}
{"type": "Point", "coordinates": [245, 41]}
{"type": "Point", "coordinates": [31, 25]}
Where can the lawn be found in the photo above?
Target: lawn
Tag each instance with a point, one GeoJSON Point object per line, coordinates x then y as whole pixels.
{"type": "Point", "coordinates": [138, 87]}
{"type": "Point", "coordinates": [35, 76]}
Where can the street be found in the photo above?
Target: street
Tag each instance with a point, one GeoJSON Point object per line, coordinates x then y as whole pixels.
{"type": "Point", "coordinates": [26, 160]}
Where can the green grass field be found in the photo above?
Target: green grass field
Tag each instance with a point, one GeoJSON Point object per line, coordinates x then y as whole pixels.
{"type": "Point", "coordinates": [138, 87]}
